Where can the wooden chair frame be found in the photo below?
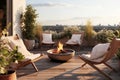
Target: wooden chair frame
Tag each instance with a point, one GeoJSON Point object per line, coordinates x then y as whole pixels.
{"type": "Point", "coordinates": [114, 45]}
{"type": "Point", "coordinates": [76, 44]}
{"type": "Point", "coordinates": [51, 44]}
{"type": "Point", "coordinates": [27, 60]}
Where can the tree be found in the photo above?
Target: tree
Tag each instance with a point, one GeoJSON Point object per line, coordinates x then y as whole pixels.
{"type": "Point", "coordinates": [29, 23]}
{"type": "Point", "coordinates": [89, 32]}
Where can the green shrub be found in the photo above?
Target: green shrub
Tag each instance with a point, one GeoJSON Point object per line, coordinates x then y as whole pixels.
{"type": "Point", "coordinates": [29, 23]}
{"type": "Point", "coordinates": [105, 36]}
{"type": "Point", "coordinates": [89, 33]}
{"type": "Point", "coordinates": [117, 33]}
{"type": "Point", "coordinates": [118, 53]}
{"type": "Point", "coordinates": [72, 29]}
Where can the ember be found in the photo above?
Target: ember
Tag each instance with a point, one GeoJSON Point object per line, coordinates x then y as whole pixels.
{"type": "Point", "coordinates": [59, 49]}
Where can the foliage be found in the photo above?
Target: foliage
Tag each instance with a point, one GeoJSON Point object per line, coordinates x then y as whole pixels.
{"type": "Point", "coordinates": [59, 35]}
{"type": "Point", "coordinates": [67, 32]}
{"type": "Point", "coordinates": [72, 29]}
{"type": "Point", "coordinates": [105, 35]}
{"type": "Point", "coordinates": [5, 30]}
{"type": "Point", "coordinates": [8, 56]}
{"type": "Point", "coordinates": [117, 33]}
{"type": "Point", "coordinates": [118, 53]}
{"type": "Point", "coordinates": [29, 23]}
{"type": "Point", "coordinates": [38, 32]}
{"type": "Point", "coordinates": [89, 33]}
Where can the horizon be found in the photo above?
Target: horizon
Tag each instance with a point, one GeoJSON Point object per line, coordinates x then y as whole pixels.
{"type": "Point", "coordinates": [76, 12]}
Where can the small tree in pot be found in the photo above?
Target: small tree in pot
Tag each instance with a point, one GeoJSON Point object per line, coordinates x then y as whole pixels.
{"type": "Point", "coordinates": [29, 26]}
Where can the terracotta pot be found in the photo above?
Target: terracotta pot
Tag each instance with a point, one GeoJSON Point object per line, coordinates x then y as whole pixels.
{"type": "Point", "coordinates": [29, 44]}
{"type": "Point", "coordinates": [10, 76]}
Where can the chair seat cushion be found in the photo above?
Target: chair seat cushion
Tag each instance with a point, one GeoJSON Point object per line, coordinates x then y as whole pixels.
{"type": "Point", "coordinates": [48, 42]}
{"type": "Point", "coordinates": [97, 52]}
{"type": "Point", "coordinates": [33, 56]}
{"type": "Point", "coordinates": [72, 42]}
{"type": "Point", "coordinates": [87, 56]}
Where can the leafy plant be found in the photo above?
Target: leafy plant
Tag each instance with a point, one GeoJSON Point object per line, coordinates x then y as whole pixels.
{"type": "Point", "coordinates": [29, 23]}
{"type": "Point", "coordinates": [8, 56]}
{"type": "Point", "coordinates": [89, 32]}
{"type": "Point", "coordinates": [118, 53]}
{"type": "Point", "coordinates": [117, 33]}
{"type": "Point", "coordinates": [105, 36]}
{"type": "Point", "coordinates": [5, 30]}
{"type": "Point", "coordinates": [72, 29]}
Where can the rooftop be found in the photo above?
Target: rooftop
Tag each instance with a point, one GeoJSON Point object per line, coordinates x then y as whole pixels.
{"type": "Point", "coordinates": [71, 70]}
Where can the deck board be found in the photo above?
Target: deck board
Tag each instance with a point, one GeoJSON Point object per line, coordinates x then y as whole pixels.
{"type": "Point", "coordinates": [49, 70]}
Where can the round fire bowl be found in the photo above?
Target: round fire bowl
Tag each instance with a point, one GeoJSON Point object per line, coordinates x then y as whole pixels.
{"type": "Point", "coordinates": [65, 56]}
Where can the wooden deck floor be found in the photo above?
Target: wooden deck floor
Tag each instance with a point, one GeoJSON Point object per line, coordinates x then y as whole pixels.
{"type": "Point", "coordinates": [49, 70]}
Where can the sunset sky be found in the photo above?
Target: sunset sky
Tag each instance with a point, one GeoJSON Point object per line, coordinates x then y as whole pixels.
{"type": "Point", "coordinates": [77, 12]}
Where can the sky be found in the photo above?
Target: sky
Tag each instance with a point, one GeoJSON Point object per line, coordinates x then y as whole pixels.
{"type": "Point", "coordinates": [76, 12]}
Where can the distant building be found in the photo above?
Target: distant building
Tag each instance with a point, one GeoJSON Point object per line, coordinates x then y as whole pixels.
{"type": "Point", "coordinates": [59, 28]}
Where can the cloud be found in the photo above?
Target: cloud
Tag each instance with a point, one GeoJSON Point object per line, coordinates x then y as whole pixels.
{"type": "Point", "coordinates": [51, 5]}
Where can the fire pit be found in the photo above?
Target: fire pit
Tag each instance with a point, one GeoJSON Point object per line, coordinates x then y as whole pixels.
{"type": "Point", "coordinates": [60, 54]}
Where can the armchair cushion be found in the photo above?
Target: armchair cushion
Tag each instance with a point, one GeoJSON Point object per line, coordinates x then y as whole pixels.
{"type": "Point", "coordinates": [99, 50]}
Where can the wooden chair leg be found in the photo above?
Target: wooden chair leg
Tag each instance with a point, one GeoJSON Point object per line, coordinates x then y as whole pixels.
{"type": "Point", "coordinates": [110, 67]}
{"type": "Point", "coordinates": [33, 64]}
{"type": "Point", "coordinates": [106, 75]}
{"type": "Point", "coordinates": [83, 64]}
{"type": "Point", "coordinates": [92, 65]}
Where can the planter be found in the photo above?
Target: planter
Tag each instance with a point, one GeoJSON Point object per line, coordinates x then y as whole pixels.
{"type": "Point", "coordinates": [29, 44]}
{"type": "Point", "coordinates": [10, 76]}
{"type": "Point", "coordinates": [36, 45]}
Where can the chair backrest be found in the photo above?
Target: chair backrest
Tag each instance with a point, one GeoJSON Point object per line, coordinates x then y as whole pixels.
{"type": "Point", "coordinates": [113, 48]}
{"type": "Point", "coordinates": [18, 42]}
{"type": "Point", "coordinates": [77, 38]}
{"type": "Point", "coordinates": [47, 37]}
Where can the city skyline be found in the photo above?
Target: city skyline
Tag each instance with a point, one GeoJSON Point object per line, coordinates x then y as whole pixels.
{"type": "Point", "coordinates": [76, 12]}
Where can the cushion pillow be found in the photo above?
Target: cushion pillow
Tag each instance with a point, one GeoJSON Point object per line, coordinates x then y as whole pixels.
{"type": "Point", "coordinates": [75, 39]}
{"type": "Point", "coordinates": [99, 50]}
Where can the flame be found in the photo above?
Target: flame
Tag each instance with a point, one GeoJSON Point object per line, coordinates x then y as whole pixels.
{"type": "Point", "coordinates": [60, 47]}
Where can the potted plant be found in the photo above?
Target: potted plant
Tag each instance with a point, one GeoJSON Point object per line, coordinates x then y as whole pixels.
{"type": "Point", "coordinates": [7, 57]}
{"type": "Point", "coordinates": [29, 26]}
